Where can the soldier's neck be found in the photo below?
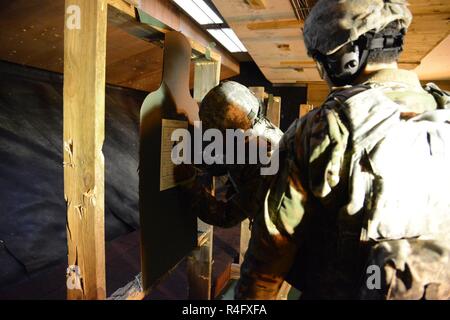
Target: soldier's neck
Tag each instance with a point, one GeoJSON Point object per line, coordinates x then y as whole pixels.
{"type": "Point", "coordinates": [370, 69]}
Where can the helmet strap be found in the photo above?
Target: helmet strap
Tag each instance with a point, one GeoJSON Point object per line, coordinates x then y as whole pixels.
{"type": "Point", "coordinates": [345, 65]}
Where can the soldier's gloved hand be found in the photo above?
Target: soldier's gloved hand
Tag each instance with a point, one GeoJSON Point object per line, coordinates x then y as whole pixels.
{"type": "Point", "coordinates": [256, 286]}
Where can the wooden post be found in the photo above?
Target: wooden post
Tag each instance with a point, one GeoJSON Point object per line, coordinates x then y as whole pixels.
{"type": "Point", "coordinates": [207, 76]}
{"type": "Point", "coordinates": [260, 93]}
{"type": "Point", "coordinates": [245, 238]}
{"type": "Point", "coordinates": [274, 110]}
{"type": "Point", "coordinates": [84, 118]}
{"type": "Point", "coordinates": [304, 109]}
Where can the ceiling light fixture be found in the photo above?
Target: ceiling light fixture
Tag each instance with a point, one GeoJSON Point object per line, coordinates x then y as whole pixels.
{"type": "Point", "coordinates": [199, 11]}
{"type": "Point", "coordinates": [228, 39]}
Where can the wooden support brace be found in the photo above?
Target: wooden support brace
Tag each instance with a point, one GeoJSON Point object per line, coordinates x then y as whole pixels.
{"type": "Point", "coordinates": [261, 95]}
{"type": "Point", "coordinates": [245, 238]}
{"type": "Point", "coordinates": [207, 76]}
{"type": "Point", "coordinates": [274, 110]}
{"type": "Point", "coordinates": [84, 118]}
{"type": "Point", "coordinates": [199, 266]}
{"type": "Point", "coordinates": [134, 289]}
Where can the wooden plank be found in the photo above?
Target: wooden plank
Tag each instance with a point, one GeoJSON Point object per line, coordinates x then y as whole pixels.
{"type": "Point", "coordinates": [275, 25]}
{"type": "Point", "coordinates": [304, 109]}
{"type": "Point", "coordinates": [199, 269]}
{"type": "Point", "coordinates": [245, 238]}
{"type": "Point", "coordinates": [257, 4]}
{"type": "Point", "coordinates": [167, 13]}
{"type": "Point", "coordinates": [317, 93]}
{"type": "Point", "coordinates": [274, 110]}
{"type": "Point", "coordinates": [199, 263]}
{"type": "Point", "coordinates": [84, 118]}
{"type": "Point", "coordinates": [296, 63]}
{"type": "Point", "coordinates": [284, 291]}
{"type": "Point", "coordinates": [206, 77]}
{"type": "Point", "coordinates": [260, 93]}
{"type": "Point", "coordinates": [123, 6]}
{"type": "Point", "coordinates": [261, 32]}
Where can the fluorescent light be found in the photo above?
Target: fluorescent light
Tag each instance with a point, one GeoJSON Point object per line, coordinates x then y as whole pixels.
{"type": "Point", "coordinates": [199, 11]}
{"type": "Point", "coordinates": [228, 39]}
{"type": "Point", "coordinates": [230, 33]}
{"type": "Point", "coordinates": [208, 11]}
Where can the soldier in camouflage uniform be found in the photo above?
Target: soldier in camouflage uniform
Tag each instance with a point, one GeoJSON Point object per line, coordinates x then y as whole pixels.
{"type": "Point", "coordinates": [364, 180]}
{"type": "Point", "coordinates": [231, 105]}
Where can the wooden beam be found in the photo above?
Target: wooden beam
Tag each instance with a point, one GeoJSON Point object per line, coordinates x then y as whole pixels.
{"type": "Point", "coordinates": [275, 24]}
{"type": "Point", "coordinates": [274, 110]}
{"type": "Point", "coordinates": [199, 268]}
{"type": "Point", "coordinates": [284, 291]}
{"type": "Point", "coordinates": [257, 4]}
{"type": "Point", "coordinates": [245, 238]}
{"type": "Point", "coordinates": [84, 119]}
{"type": "Point", "coordinates": [304, 109]}
{"type": "Point", "coordinates": [124, 6]}
{"type": "Point", "coordinates": [206, 77]}
{"type": "Point", "coordinates": [167, 13]}
{"type": "Point", "coordinates": [261, 95]}
{"type": "Point", "coordinates": [298, 63]}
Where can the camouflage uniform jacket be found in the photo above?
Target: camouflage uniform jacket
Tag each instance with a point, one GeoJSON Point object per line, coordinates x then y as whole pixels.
{"type": "Point", "coordinates": [301, 238]}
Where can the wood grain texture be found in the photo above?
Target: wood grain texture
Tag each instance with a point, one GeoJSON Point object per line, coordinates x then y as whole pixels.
{"type": "Point", "coordinates": [206, 77]}
{"type": "Point", "coordinates": [132, 60]}
{"type": "Point", "coordinates": [199, 262]}
{"type": "Point", "coordinates": [256, 4]}
{"type": "Point", "coordinates": [84, 125]}
{"type": "Point", "coordinates": [262, 32]}
{"type": "Point", "coordinates": [317, 93]}
{"type": "Point", "coordinates": [274, 110]}
{"type": "Point", "coordinates": [245, 238]}
{"type": "Point", "coordinates": [276, 24]}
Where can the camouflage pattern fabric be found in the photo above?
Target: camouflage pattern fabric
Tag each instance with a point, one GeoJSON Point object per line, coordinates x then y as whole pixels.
{"type": "Point", "coordinates": [306, 234]}
{"type": "Point", "coordinates": [332, 24]}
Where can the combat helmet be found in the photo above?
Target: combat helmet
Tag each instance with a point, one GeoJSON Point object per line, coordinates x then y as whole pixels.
{"type": "Point", "coordinates": [340, 34]}
{"type": "Point", "coordinates": [230, 105]}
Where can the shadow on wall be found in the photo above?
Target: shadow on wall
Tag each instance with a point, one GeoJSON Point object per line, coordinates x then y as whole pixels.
{"type": "Point", "coordinates": [33, 209]}
{"type": "Point", "coordinates": [291, 97]}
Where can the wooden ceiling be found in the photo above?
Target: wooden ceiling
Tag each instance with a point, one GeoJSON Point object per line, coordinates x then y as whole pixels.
{"type": "Point", "coordinates": [272, 34]}
{"type": "Point", "coordinates": [32, 34]}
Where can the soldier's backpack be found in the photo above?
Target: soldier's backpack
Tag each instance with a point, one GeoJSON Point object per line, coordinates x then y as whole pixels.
{"type": "Point", "coordinates": [400, 169]}
{"type": "Point", "coordinates": [399, 173]}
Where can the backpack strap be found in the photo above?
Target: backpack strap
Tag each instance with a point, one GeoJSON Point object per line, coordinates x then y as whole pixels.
{"type": "Point", "coordinates": [442, 97]}
{"type": "Point", "coordinates": [342, 95]}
